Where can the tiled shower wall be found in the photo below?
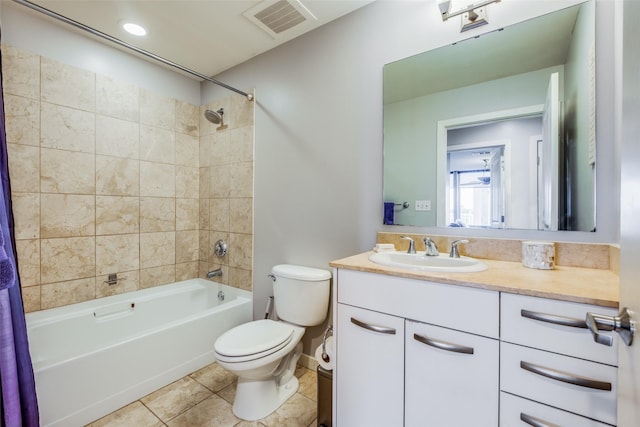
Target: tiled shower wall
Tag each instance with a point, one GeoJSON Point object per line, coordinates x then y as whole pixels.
{"type": "Point", "coordinates": [111, 178]}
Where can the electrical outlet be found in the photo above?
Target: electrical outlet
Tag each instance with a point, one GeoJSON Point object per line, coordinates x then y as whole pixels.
{"type": "Point", "coordinates": [423, 205]}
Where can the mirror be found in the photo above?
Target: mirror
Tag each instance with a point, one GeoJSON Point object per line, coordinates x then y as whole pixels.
{"type": "Point", "coordinates": [496, 131]}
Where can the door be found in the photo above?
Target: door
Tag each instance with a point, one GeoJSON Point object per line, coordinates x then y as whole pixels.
{"type": "Point", "coordinates": [548, 190]}
{"type": "Point", "coordinates": [629, 357]}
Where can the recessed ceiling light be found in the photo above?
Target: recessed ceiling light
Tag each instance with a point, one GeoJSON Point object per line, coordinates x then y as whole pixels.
{"type": "Point", "coordinates": [134, 29]}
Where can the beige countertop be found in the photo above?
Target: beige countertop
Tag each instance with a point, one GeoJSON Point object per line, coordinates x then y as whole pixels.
{"type": "Point", "coordinates": [583, 285]}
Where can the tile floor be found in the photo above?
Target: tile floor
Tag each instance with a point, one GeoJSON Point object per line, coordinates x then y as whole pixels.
{"type": "Point", "coordinates": [204, 399]}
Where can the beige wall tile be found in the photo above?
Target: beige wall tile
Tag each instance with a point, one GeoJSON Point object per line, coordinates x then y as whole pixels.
{"type": "Point", "coordinates": [204, 182]}
{"type": "Point", "coordinates": [204, 151]}
{"type": "Point", "coordinates": [220, 148]}
{"type": "Point", "coordinates": [203, 215]}
{"type": "Point", "coordinates": [205, 246]}
{"type": "Point", "coordinates": [241, 111]}
{"type": "Point", "coordinates": [157, 180]}
{"type": "Point", "coordinates": [187, 246]}
{"type": "Point", "coordinates": [67, 258]}
{"type": "Point", "coordinates": [64, 84]}
{"type": "Point", "coordinates": [67, 215]}
{"type": "Point", "coordinates": [67, 172]}
{"type": "Point", "coordinates": [157, 249]}
{"type": "Point", "coordinates": [219, 215]}
{"type": "Point", "coordinates": [22, 120]}
{"type": "Point", "coordinates": [117, 99]}
{"type": "Point", "coordinates": [157, 110]}
{"type": "Point", "coordinates": [117, 176]}
{"type": "Point", "coordinates": [157, 144]}
{"type": "Point", "coordinates": [24, 168]}
{"type": "Point", "coordinates": [117, 253]}
{"type": "Point", "coordinates": [187, 150]}
{"type": "Point", "coordinates": [31, 299]}
{"type": "Point", "coordinates": [68, 292]}
{"type": "Point", "coordinates": [127, 282]}
{"type": "Point", "coordinates": [240, 278]}
{"type": "Point", "coordinates": [186, 271]}
{"type": "Point", "coordinates": [117, 215]}
{"type": "Point", "coordinates": [29, 261]}
{"type": "Point", "coordinates": [20, 72]}
{"type": "Point", "coordinates": [240, 250]}
{"type": "Point", "coordinates": [220, 181]}
{"type": "Point", "coordinates": [241, 180]}
{"type": "Point", "coordinates": [241, 145]}
{"type": "Point", "coordinates": [26, 215]}
{"type": "Point", "coordinates": [157, 276]}
{"type": "Point", "coordinates": [187, 182]}
{"type": "Point", "coordinates": [241, 215]}
{"type": "Point", "coordinates": [187, 118]}
{"type": "Point", "coordinates": [157, 214]}
{"type": "Point", "coordinates": [116, 137]}
{"type": "Point", "coordinates": [187, 214]}
{"type": "Point", "coordinates": [67, 128]}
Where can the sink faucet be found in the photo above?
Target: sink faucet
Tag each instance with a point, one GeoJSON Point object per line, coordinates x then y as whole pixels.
{"type": "Point", "coordinates": [454, 248]}
{"type": "Point", "coordinates": [412, 244]}
{"type": "Point", "coordinates": [430, 247]}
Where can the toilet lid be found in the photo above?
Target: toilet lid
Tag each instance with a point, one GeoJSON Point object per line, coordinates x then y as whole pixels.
{"type": "Point", "coordinates": [253, 337]}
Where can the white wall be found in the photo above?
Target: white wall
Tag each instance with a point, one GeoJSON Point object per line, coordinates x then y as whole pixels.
{"type": "Point", "coordinates": [318, 173]}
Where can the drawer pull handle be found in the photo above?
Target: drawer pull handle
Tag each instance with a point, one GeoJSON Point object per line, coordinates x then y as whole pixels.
{"type": "Point", "coordinates": [443, 345]}
{"type": "Point", "coordinates": [565, 377]}
{"type": "Point", "coordinates": [374, 328]}
{"type": "Point", "coordinates": [535, 422]}
{"type": "Point", "coordinates": [554, 319]}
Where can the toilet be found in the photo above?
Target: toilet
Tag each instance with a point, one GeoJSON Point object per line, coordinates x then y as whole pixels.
{"type": "Point", "coordinates": [264, 353]}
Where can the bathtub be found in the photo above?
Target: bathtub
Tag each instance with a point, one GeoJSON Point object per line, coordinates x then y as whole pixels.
{"type": "Point", "coordinates": [94, 357]}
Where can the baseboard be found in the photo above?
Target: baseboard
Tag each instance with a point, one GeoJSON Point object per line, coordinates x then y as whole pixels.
{"type": "Point", "coordinates": [308, 362]}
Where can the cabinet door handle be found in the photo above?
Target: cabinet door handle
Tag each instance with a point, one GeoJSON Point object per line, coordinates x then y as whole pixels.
{"type": "Point", "coordinates": [565, 377]}
{"type": "Point", "coordinates": [443, 345]}
{"type": "Point", "coordinates": [554, 319]}
{"type": "Point", "coordinates": [374, 328]}
{"type": "Point", "coordinates": [535, 422]}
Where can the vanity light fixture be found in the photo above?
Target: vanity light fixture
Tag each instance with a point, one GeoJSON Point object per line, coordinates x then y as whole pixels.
{"type": "Point", "coordinates": [133, 28]}
{"type": "Point", "coordinates": [473, 15]}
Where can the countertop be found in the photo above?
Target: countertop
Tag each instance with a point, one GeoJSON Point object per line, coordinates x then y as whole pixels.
{"type": "Point", "coordinates": [582, 285]}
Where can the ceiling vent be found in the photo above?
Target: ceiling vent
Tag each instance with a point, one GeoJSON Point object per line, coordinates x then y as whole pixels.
{"type": "Point", "coordinates": [280, 16]}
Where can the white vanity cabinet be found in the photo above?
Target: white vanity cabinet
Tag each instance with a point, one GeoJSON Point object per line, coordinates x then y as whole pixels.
{"type": "Point", "coordinates": [548, 356]}
{"type": "Point", "coordinates": [386, 377]}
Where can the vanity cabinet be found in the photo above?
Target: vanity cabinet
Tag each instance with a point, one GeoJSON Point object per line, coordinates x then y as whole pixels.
{"type": "Point", "coordinates": [405, 354]}
{"type": "Point", "coordinates": [548, 356]}
{"type": "Point", "coordinates": [411, 352]}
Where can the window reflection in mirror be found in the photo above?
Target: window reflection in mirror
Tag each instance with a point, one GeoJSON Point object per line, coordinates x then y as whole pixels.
{"type": "Point", "coordinates": [427, 96]}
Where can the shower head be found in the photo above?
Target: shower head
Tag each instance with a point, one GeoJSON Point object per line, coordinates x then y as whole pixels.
{"type": "Point", "coordinates": [214, 117]}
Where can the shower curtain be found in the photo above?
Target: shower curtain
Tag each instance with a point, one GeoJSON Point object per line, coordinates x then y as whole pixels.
{"type": "Point", "coordinates": [19, 402]}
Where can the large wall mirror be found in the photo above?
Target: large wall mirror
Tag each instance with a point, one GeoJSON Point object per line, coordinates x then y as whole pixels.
{"type": "Point", "coordinates": [496, 131]}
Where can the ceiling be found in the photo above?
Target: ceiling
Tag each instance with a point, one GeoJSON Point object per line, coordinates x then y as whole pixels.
{"type": "Point", "coordinates": [206, 36]}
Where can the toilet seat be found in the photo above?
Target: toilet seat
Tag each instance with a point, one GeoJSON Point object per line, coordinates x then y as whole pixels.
{"type": "Point", "coordinates": [253, 340]}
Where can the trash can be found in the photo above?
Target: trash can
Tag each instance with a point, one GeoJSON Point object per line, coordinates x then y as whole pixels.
{"type": "Point", "coordinates": [325, 395]}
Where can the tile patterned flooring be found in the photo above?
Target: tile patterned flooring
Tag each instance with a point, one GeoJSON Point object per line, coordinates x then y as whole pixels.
{"type": "Point", "coordinates": [204, 399]}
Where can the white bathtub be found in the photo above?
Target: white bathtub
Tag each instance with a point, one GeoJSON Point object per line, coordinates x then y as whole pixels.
{"type": "Point", "coordinates": [96, 356]}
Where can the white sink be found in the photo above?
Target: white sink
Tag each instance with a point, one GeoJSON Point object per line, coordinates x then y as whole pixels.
{"type": "Point", "coordinates": [419, 261]}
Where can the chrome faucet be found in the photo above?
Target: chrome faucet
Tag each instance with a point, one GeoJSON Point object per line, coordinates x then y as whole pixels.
{"type": "Point", "coordinates": [214, 273]}
{"type": "Point", "coordinates": [430, 247]}
{"type": "Point", "coordinates": [454, 248]}
{"type": "Point", "coordinates": [412, 244]}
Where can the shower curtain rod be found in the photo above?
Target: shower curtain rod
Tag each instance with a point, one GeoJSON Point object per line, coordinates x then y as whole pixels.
{"type": "Point", "coordinates": [122, 43]}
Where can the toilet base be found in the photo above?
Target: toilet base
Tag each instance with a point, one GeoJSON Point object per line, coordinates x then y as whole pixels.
{"type": "Point", "coordinates": [271, 396]}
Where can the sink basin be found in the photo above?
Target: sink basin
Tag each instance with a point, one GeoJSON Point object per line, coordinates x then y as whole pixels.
{"type": "Point", "coordinates": [419, 261]}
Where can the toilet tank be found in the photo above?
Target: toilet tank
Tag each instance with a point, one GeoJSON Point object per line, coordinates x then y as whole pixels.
{"type": "Point", "coordinates": [301, 294]}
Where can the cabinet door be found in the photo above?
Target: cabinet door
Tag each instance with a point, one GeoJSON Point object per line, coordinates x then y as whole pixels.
{"type": "Point", "coordinates": [451, 378]}
{"type": "Point", "coordinates": [369, 368]}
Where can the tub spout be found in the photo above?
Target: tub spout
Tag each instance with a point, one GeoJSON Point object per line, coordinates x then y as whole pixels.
{"type": "Point", "coordinates": [214, 273]}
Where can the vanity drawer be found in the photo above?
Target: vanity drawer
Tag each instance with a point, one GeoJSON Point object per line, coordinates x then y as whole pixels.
{"type": "Point", "coordinates": [594, 396]}
{"type": "Point", "coordinates": [535, 322]}
{"type": "Point", "coordinates": [456, 307]}
{"type": "Point", "coordinates": [518, 412]}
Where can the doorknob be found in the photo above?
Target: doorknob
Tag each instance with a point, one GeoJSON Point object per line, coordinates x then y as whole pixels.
{"type": "Point", "coordinates": [621, 324]}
